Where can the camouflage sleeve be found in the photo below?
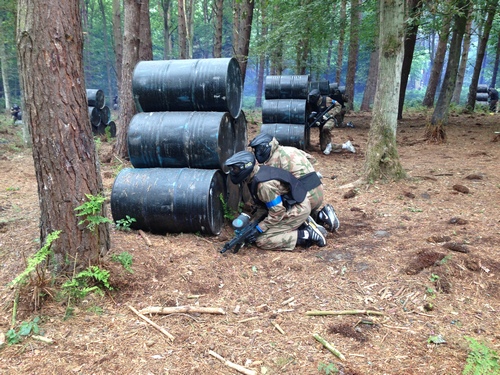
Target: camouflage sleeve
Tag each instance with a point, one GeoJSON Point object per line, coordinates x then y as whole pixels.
{"type": "Point", "coordinates": [270, 193]}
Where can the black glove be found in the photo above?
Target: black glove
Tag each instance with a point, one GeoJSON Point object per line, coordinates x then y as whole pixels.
{"type": "Point", "coordinates": [252, 236]}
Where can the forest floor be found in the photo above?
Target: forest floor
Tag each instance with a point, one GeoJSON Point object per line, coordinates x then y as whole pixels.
{"type": "Point", "coordinates": [422, 253]}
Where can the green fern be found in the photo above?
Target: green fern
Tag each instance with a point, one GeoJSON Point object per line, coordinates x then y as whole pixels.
{"type": "Point", "coordinates": [39, 257]}
{"type": "Point", "coordinates": [91, 210]}
{"type": "Point", "coordinates": [481, 360]}
{"type": "Point", "coordinates": [81, 285]}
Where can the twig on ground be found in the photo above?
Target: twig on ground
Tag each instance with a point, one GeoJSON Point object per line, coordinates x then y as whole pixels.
{"type": "Point", "coordinates": [277, 326]}
{"type": "Point", "coordinates": [329, 346]}
{"type": "Point", "coordinates": [145, 238]}
{"type": "Point", "coordinates": [344, 312]}
{"type": "Point", "coordinates": [166, 333]}
{"type": "Point", "coordinates": [43, 339]}
{"type": "Point", "coordinates": [234, 366]}
{"type": "Point", "coordinates": [182, 309]}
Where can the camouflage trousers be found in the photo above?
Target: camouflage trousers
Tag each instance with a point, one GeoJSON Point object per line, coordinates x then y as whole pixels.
{"type": "Point", "coordinates": [284, 236]}
{"type": "Point", "coordinates": [315, 197]}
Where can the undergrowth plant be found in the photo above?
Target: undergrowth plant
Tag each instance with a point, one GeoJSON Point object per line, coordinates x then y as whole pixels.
{"type": "Point", "coordinates": [125, 223]}
{"type": "Point", "coordinates": [481, 359]}
{"type": "Point", "coordinates": [93, 279]}
{"type": "Point", "coordinates": [92, 212]}
{"type": "Point", "coordinates": [14, 336]}
{"type": "Point", "coordinates": [125, 259]}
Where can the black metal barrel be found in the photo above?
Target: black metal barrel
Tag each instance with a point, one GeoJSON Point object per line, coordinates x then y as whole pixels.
{"type": "Point", "coordinates": [288, 134]}
{"type": "Point", "coordinates": [286, 87]}
{"type": "Point", "coordinates": [483, 88]}
{"type": "Point", "coordinates": [180, 139]}
{"type": "Point", "coordinates": [482, 96]}
{"type": "Point", "coordinates": [94, 116]}
{"type": "Point", "coordinates": [240, 132]}
{"type": "Point", "coordinates": [285, 111]}
{"type": "Point", "coordinates": [323, 86]}
{"type": "Point", "coordinates": [95, 98]}
{"type": "Point", "coordinates": [188, 85]}
{"type": "Point", "coordinates": [170, 200]}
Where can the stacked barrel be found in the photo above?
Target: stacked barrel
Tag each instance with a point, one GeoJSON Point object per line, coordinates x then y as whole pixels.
{"type": "Point", "coordinates": [99, 113]}
{"type": "Point", "coordinates": [284, 110]}
{"type": "Point", "coordinates": [482, 93]}
{"type": "Point", "coordinates": [189, 123]}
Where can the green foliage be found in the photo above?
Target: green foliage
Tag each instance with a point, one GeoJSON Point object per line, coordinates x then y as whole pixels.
{"type": "Point", "coordinates": [91, 210]}
{"type": "Point", "coordinates": [92, 279]}
{"type": "Point", "coordinates": [34, 262]}
{"type": "Point", "coordinates": [228, 213]}
{"type": "Point", "coordinates": [125, 259]}
{"type": "Point", "coordinates": [25, 329]}
{"type": "Point", "coordinates": [481, 359]}
{"type": "Point", "coordinates": [328, 369]}
{"type": "Point", "coordinates": [125, 223]}
{"type": "Point", "coordinates": [434, 278]}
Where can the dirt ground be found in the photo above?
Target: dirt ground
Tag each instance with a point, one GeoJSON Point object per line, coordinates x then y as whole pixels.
{"type": "Point", "coordinates": [422, 253]}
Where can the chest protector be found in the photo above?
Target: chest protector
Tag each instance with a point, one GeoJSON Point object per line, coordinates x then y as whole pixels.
{"type": "Point", "coordinates": [298, 186]}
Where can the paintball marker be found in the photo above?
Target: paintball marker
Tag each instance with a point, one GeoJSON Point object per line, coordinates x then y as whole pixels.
{"type": "Point", "coordinates": [243, 227]}
{"type": "Point", "coordinates": [316, 120]}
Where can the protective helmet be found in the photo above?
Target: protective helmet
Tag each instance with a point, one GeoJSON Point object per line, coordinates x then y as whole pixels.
{"type": "Point", "coordinates": [262, 147]}
{"type": "Point", "coordinates": [15, 106]}
{"type": "Point", "coordinates": [240, 166]}
{"type": "Point", "coordinates": [313, 97]}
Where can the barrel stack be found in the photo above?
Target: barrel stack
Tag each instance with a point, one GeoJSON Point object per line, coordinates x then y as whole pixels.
{"type": "Point", "coordinates": [189, 122]}
{"type": "Point", "coordinates": [99, 113]}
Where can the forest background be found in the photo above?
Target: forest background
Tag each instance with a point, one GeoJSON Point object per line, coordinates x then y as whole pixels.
{"type": "Point", "coordinates": [335, 41]}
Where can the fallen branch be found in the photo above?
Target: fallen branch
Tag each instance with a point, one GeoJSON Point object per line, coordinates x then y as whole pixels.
{"type": "Point", "coordinates": [344, 312]}
{"type": "Point", "coordinates": [182, 309]}
{"type": "Point", "coordinates": [329, 346]}
{"type": "Point", "coordinates": [43, 339]}
{"type": "Point", "coordinates": [234, 366]}
{"type": "Point", "coordinates": [152, 323]}
{"type": "Point", "coordinates": [146, 239]}
{"type": "Point", "coordinates": [277, 326]}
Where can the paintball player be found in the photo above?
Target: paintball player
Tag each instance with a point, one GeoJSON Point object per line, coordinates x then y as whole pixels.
{"type": "Point", "coordinates": [339, 96]}
{"type": "Point", "coordinates": [268, 151]}
{"type": "Point", "coordinates": [283, 197]}
{"type": "Point", "coordinates": [318, 103]}
{"type": "Point", "coordinates": [493, 99]}
{"type": "Point", "coordinates": [15, 112]}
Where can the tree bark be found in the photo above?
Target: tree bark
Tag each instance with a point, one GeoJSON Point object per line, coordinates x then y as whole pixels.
{"type": "Point", "coordinates": [382, 159]}
{"type": "Point", "coordinates": [218, 10]}
{"type": "Point", "coordinates": [106, 46]}
{"type": "Point", "coordinates": [131, 46]}
{"type": "Point", "coordinates": [182, 28]}
{"type": "Point", "coordinates": [481, 50]}
{"type": "Point", "coordinates": [146, 44]}
{"type": "Point", "coordinates": [371, 83]}
{"type": "Point", "coordinates": [415, 7]}
{"type": "Point", "coordinates": [463, 64]}
{"type": "Point", "coordinates": [166, 6]}
{"type": "Point", "coordinates": [262, 57]}
{"type": "Point", "coordinates": [435, 131]}
{"type": "Point", "coordinates": [118, 42]}
{"type": "Point", "coordinates": [340, 49]}
{"type": "Point", "coordinates": [437, 66]}
{"type": "Point", "coordinates": [50, 47]}
{"type": "Point", "coordinates": [353, 53]}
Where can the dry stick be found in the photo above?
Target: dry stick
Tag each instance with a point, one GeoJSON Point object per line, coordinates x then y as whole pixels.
{"type": "Point", "coordinates": [329, 346]}
{"type": "Point", "coordinates": [43, 339]}
{"type": "Point", "coordinates": [277, 326]}
{"type": "Point", "coordinates": [146, 239]}
{"type": "Point", "coordinates": [182, 309]}
{"type": "Point", "coordinates": [344, 312]}
{"type": "Point", "coordinates": [234, 366]}
{"type": "Point", "coordinates": [152, 323]}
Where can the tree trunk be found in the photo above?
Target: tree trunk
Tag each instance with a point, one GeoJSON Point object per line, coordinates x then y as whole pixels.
{"type": "Point", "coordinates": [435, 131]}
{"type": "Point", "coordinates": [340, 49]}
{"type": "Point", "coordinates": [182, 28]}
{"type": "Point", "coordinates": [167, 36]}
{"type": "Point", "coordinates": [353, 53]}
{"type": "Point", "coordinates": [415, 7]}
{"type": "Point", "coordinates": [262, 57]}
{"type": "Point", "coordinates": [463, 64]}
{"type": "Point", "coordinates": [244, 40]}
{"type": "Point", "coordinates": [219, 12]}
{"type": "Point", "coordinates": [371, 83]}
{"type": "Point", "coordinates": [4, 65]}
{"type": "Point", "coordinates": [131, 45]}
{"type": "Point", "coordinates": [481, 50]}
{"type": "Point", "coordinates": [146, 44]}
{"type": "Point", "coordinates": [382, 159]}
{"type": "Point", "coordinates": [50, 47]}
{"type": "Point", "coordinates": [118, 42]}
{"type": "Point", "coordinates": [437, 66]}
{"type": "Point", "coordinates": [497, 63]}
{"type": "Point", "coordinates": [106, 46]}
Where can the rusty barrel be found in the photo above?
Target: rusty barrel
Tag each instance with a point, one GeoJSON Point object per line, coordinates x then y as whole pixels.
{"type": "Point", "coordinates": [285, 111]}
{"type": "Point", "coordinates": [170, 200]}
{"type": "Point", "coordinates": [286, 87]}
{"type": "Point", "coordinates": [180, 139]}
{"type": "Point", "coordinates": [288, 134]}
{"type": "Point", "coordinates": [188, 85]}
